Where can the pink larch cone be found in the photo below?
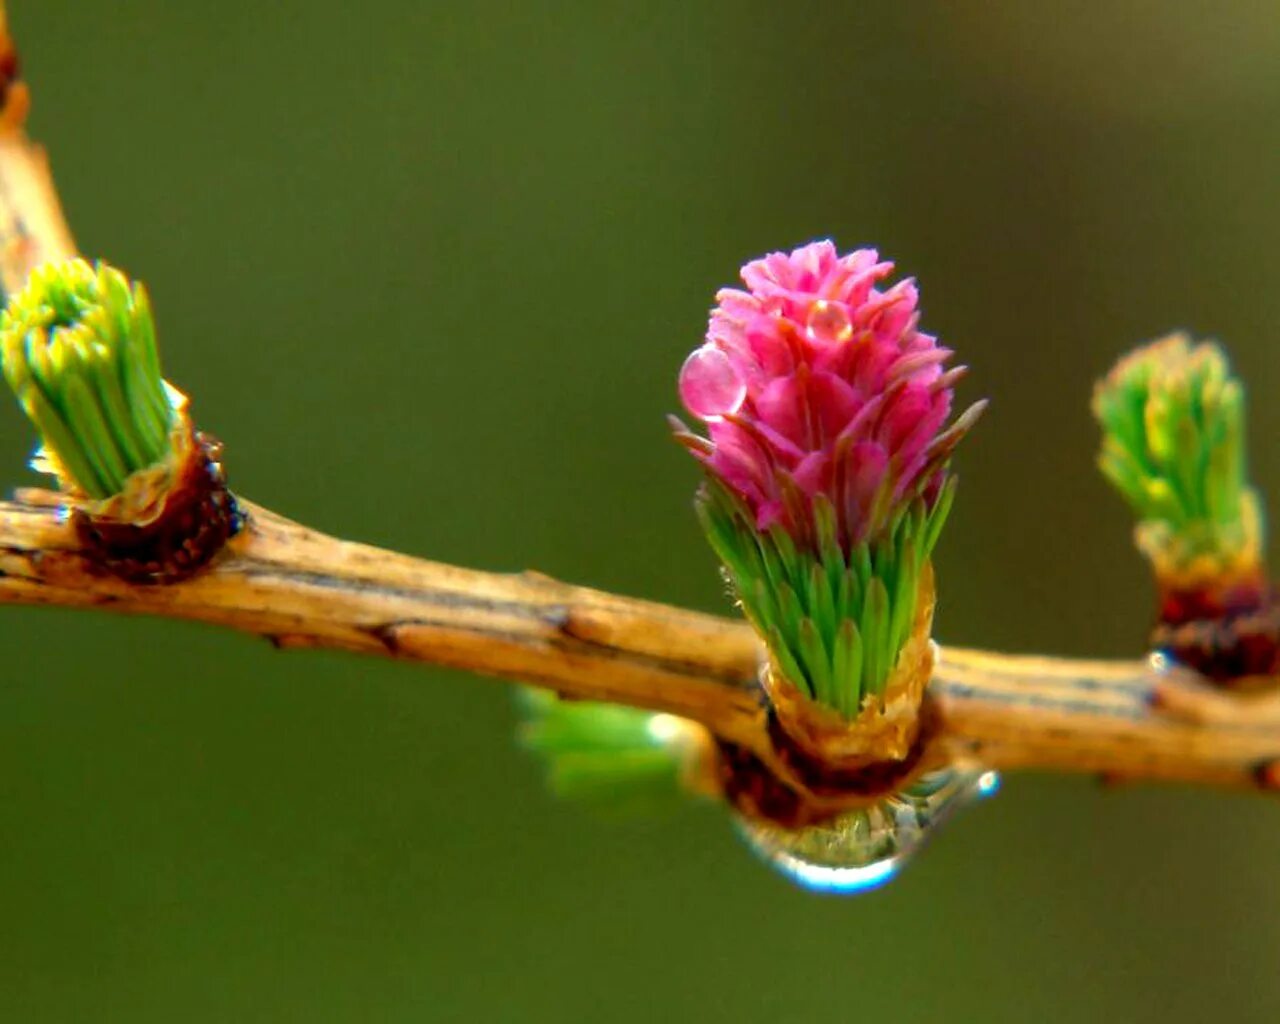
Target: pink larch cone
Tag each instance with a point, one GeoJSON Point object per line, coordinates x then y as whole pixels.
{"type": "Point", "coordinates": [826, 463]}
{"type": "Point", "coordinates": [816, 382]}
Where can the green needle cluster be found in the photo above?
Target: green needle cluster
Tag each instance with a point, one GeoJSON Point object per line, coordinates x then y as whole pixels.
{"type": "Point", "coordinates": [1173, 445]}
{"type": "Point", "coordinates": [604, 751]}
{"type": "Point", "coordinates": [834, 622]}
{"type": "Point", "coordinates": [79, 351]}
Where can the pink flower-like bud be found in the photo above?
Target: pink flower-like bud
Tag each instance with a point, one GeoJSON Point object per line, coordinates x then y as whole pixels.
{"type": "Point", "coordinates": [814, 382]}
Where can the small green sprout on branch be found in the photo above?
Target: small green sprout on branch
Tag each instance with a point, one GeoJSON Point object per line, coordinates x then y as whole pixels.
{"type": "Point", "coordinates": [1172, 415]}
{"type": "Point", "coordinates": [605, 753]}
{"type": "Point", "coordinates": [1173, 446]}
{"type": "Point", "coordinates": [79, 349]}
{"type": "Point", "coordinates": [145, 488]}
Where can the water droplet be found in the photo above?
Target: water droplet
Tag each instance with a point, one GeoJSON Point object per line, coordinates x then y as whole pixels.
{"type": "Point", "coordinates": [709, 385]}
{"type": "Point", "coordinates": [829, 322]}
{"type": "Point", "coordinates": [863, 849]}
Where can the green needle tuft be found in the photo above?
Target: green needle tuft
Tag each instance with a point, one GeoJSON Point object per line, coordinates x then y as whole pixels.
{"type": "Point", "coordinates": [1172, 416]}
{"type": "Point", "coordinates": [79, 350]}
{"type": "Point", "coordinates": [834, 623]}
{"type": "Point", "coordinates": [632, 759]}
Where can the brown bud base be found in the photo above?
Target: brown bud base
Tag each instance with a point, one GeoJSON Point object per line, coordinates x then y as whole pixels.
{"type": "Point", "coordinates": [197, 518]}
{"type": "Point", "coordinates": [825, 764]}
{"type": "Point", "coordinates": [817, 791]}
{"type": "Point", "coordinates": [1229, 633]}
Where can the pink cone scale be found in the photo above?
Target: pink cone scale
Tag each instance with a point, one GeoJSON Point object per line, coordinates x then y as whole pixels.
{"type": "Point", "coordinates": [825, 409]}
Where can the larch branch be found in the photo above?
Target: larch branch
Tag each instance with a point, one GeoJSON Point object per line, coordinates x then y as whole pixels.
{"type": "Point", "coordinates": [32, 227]}
{"type": "Point", "coordinates": [300, 588]}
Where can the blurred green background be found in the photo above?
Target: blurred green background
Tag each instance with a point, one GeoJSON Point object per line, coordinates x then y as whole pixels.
{"type": "Point", "coordinates": [429, 270]}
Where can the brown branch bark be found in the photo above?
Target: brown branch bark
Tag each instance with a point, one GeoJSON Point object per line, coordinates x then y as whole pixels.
{"type": "Point", "coordinates": [33, 229]}
{"type": "Point", "coordinates": [300, 588]}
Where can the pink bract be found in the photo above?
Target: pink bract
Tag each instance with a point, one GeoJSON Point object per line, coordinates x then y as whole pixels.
{"type": "Point", "coordinates": [815, 382]}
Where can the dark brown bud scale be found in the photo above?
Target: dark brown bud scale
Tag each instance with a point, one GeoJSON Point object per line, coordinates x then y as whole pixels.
{"type": "Point", "coordinates": [1229, 633]}
{"type": "Point", "coordinates": [757, 792]}
{"type": "Point", "coordinates": [198, 518]}
{"type": "Point", "coordinates": [1236, 651]}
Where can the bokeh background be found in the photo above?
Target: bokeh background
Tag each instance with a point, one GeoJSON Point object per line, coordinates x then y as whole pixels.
{"type": "Point", "coordinates": [429, 269]}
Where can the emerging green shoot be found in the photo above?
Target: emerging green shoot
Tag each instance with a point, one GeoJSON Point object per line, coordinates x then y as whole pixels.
{"type": "Point", "coordinates": [626, 757]}
{"type": "Point", "coordinates": [1173, 445]}
{"type": "Point", "coordinates": [79, 351]}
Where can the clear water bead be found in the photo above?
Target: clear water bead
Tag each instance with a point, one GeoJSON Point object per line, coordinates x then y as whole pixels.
{"type": "Point", "coordinates": [863, 849]}
{"type": "Point", "coordinates": [829, 322]}
{"type": "Point", "coordinates": [709, 385]}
